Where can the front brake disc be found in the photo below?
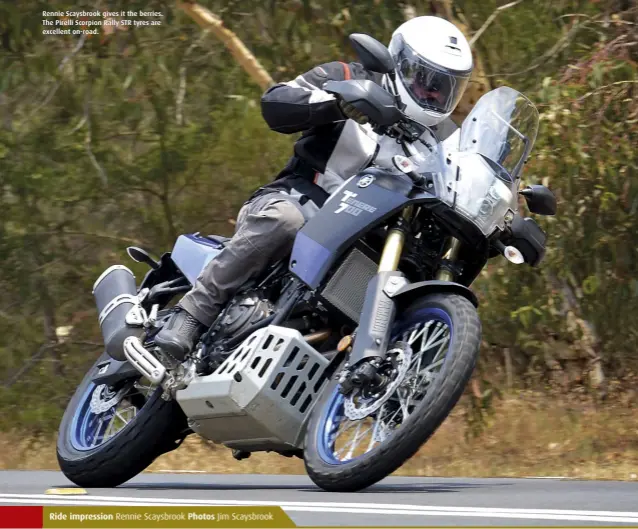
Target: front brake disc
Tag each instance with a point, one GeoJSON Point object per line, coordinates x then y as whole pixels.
{"type": "Point", "coordinates": [355, 410]}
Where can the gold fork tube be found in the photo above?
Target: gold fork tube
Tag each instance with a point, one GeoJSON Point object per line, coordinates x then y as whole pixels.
{"type": "Point", "coordinates": [393, 247]}
{"type": "Point", "coordinates": [392, 251]}
{"type": "Point", "coordinates": [450, 253]}
{"type": "Point", "coordinates": [445, 275]}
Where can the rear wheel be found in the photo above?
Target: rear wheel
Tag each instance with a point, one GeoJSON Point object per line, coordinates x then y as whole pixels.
{"type": "Point", "coordinates": [355, 441]}
{"type": "Point", "coordinates": [109, 435]}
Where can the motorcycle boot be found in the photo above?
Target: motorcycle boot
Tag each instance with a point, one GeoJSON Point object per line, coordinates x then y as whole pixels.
{"type": "Point", "coordinates": [179, 335]}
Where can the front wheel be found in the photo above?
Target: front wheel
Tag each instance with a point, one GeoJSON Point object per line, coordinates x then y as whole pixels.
{"type": "Point", "coordinates": [109, 435]}
{"type": "Point", "coordinates": [355, 441]}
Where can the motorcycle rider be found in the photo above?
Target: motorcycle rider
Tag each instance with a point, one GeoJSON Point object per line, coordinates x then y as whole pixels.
{"type": "Point", "coordinates": [434, 63]}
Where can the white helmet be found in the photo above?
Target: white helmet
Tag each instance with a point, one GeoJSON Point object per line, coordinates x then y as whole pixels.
{"type": "Point", "coordinates": [434, 64]}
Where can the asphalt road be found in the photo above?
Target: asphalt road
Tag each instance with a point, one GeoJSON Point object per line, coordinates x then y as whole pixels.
{"type": "Point", "coordinates": [393, 502]}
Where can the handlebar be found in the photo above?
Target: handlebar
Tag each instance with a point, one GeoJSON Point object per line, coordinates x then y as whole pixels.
{"type": "Point", "coordinates": [406, 130]}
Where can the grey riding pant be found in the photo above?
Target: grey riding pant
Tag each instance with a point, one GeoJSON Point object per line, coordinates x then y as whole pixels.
{"type": "Point", "coordinates": [265, 231]}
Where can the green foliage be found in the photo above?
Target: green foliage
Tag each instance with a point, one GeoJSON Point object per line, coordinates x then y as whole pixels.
{"type": "Point", "coordinates": [143, 134]}
{"type": "Point", "coordinates": [585, 152]}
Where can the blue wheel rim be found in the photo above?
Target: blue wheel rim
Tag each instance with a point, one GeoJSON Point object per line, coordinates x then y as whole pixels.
{"type": "Point", "coordinates": [90, 430]}
{"type": "Point", "coordinates": [333, 412]}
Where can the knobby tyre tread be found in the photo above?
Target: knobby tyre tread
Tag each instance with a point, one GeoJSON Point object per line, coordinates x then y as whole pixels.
{"type": "Point", "coordinates": [423, 422]}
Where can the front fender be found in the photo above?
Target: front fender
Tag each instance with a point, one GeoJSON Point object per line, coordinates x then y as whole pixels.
{"type": "Point", "coordinates": [405, 295]}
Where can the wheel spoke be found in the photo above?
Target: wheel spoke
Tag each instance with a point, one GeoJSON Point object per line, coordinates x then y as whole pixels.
{"type": "Point", "coordinates": [354, 441]}
{"type": "Point", "coordinates": [396, 412]}
{"type": "Point", "coordinates": [110, 429]}
{"type": "Point", "coordinates": [95, 426]}
{"type": "Point", "coordinates": [386, 425]}
{"type": "Point", "coordinates": [438, 331]}
{"type": "Point", "coordinates": [404, 403]}
{"type": "Point", "coordinates": [431, 367]}
{"type": "Point", "coordinates": [348, 425]}
{"type": "Point", "coordinates": [375, 431]}
{"type": "Point", "coordinates": [428, 344]}
{"type": "Point", "coordinates": [438, 338]}
{"type": "Point", "coordinates": [412, 337]}
{"type": "Point", "coordinates": [418, 333]}
{"type": "Point", "coordinates": [353, 445]}
{"type": "Point", "coordinates": [417, 359]}
{"type": "Point", "coordinates": [98, 436]}
{"type": "Point", "coordinates": [443, 343]}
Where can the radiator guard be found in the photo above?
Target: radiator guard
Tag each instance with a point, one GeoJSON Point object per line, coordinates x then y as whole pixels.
{"type": "Point", "coordinates": [260, 397]}
{"type": "Point", "coordinates": [346, 289]}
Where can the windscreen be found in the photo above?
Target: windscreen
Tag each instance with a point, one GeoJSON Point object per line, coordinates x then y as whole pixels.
{"type": "Point", "coordinates": [502, 127]}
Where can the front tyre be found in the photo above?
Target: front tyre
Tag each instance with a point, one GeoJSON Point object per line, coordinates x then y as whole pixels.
{"type": "Point", "coordinates": [443, 335]}
{"type": "Point", "coordinates": [109, 435]}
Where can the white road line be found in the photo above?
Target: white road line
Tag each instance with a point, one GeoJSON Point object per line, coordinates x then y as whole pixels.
{"type": "Point", "coordinates": [547, 477]}
{"type": "Point", "coordinates": [336, 507]}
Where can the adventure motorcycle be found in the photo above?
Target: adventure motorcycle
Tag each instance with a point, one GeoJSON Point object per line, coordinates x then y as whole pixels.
{"type": "Point", "coordinates": [348, 353]}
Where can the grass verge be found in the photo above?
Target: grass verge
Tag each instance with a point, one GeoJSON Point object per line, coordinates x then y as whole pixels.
{"type": "Point", "coordinates": [527, 435]}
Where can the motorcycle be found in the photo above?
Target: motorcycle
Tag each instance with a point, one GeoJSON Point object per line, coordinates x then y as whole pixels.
{"type": "Point", "coordinates": [351, 351]}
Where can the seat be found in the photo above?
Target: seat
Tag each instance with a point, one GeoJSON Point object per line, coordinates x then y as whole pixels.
{"type": "Point", "coordinates": [219, 239]}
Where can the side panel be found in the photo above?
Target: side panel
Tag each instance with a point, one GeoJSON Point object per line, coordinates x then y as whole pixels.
{"type": "Point", "coordinates": [192, 253]}
{"type": "Point", "coordinates": [362, 203]}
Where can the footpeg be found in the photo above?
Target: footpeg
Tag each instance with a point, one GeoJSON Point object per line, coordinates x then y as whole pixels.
{"type": "Point", "coordinates": [142, 360]}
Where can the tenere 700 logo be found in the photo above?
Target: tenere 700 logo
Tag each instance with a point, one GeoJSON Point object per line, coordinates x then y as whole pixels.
{"type": "Point", "coordinates": [353, 207]}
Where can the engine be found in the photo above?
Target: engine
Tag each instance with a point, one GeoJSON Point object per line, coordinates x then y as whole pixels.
{"type": "Point", "coordinates": [242, 312]}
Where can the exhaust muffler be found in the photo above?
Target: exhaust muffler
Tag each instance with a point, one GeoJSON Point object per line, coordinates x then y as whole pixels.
{"type": "Point", "coordinates": [115, 295]}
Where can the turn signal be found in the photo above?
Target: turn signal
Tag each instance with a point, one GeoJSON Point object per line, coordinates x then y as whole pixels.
{"type": "Point", "coordinates": [513, 255]}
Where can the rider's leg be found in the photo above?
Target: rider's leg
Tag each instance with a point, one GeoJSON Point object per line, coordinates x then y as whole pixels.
{"type": "Point", "coordinates": [266, 229]}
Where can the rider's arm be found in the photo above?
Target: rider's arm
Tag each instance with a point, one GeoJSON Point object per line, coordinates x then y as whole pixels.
{"type": "Point", "coordinates": [301, 104]}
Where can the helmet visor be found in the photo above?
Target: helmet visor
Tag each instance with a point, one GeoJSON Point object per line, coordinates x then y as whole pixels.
{"type": "Point", "coordinates": [432, 87]}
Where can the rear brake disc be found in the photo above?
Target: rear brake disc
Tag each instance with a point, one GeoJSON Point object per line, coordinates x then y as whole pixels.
{"type": "Point", "coordinates": [103, 400]}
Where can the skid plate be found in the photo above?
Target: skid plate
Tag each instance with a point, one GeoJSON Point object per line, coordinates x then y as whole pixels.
{"type": "Point", "coordinates": [259, 397]}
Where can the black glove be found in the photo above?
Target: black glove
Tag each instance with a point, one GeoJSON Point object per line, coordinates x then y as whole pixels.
{"type": "Point", "coordinates": [351, 112]}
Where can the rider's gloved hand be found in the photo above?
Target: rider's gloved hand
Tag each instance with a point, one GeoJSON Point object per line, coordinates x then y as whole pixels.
{"type": "Point", "coordinates": [352, 113]}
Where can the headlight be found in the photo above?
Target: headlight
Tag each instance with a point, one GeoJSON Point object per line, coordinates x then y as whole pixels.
{"type": "Point", "coordinates": [481, 196]}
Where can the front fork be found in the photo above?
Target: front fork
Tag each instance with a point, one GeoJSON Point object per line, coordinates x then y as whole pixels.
{"type": "Point", "coordinates": [379, 308]}
{"type": "Point", "coordinates": [446, 271]}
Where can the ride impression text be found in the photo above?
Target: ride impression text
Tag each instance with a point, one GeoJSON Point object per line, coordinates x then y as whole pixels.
{"type": "Point", "coordinates": [185, 516]}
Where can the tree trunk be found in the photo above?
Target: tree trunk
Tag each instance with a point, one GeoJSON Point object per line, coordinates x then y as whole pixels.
{"type": "Point", "coordinates": [209, 21]}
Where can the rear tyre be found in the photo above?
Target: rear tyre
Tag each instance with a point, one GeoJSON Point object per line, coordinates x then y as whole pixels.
{"type": "Point", "coordinates": [408, 417]}
{"type": "Point", "coordinates": [100, 449]}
